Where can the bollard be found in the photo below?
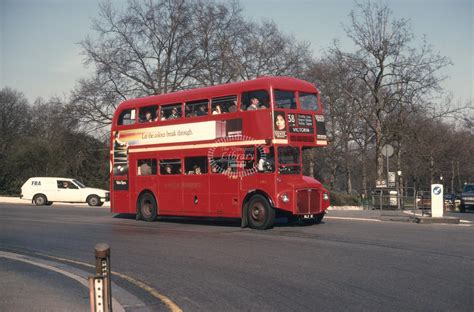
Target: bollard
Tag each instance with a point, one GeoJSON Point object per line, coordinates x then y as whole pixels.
{"type": "Point", "coordinates": [100, 284]}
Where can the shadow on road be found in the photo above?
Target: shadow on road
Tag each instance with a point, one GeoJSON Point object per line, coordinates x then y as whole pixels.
{"type": "Point", "coordinates": [217, 222]}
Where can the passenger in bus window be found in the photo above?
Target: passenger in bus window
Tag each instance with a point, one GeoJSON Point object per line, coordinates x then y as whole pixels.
{"type": "Point", "coordinates": [148, 117]}
{"type": "Point", "coordinates": [197, 169]}
{"type": "Point", "coordinates": [168, 169]}
{"type": "Point", "coordinates": [187, 110]}
{"type": "Point", "coordinates": [174, 113]}
{"type": "Point", "coordinates": [254, 104]}
{"type": "Point", "coordinates": [263, 106]}
{"type": "Point", "coordinates": [233, 107]}
{"type": "Point", "coordinates": [217, 110]}
{"type": "Point", "coordinates": [202, 111]}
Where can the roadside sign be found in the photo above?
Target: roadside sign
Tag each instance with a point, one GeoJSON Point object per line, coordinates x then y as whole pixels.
{"type": "Point", "coordinates": [437, 200]}
{"type": "Point", "coordinates": [387, 150]}
{"type": "Point", "coordinates": [380, 183]}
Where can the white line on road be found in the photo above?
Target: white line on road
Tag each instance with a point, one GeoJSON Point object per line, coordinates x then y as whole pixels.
{"type": "Point", "coordinates": [356, 219]}
{"type": "Point", "coordinates": [12, 256]}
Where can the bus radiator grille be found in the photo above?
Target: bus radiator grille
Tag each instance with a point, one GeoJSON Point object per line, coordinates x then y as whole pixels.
{"type": "Point", "coordinates": [308, 201]}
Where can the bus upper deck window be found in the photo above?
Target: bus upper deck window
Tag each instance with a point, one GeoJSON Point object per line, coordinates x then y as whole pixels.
{"type": "Point", "coordinates": [285, 99]}
{"type": "Point", "coordinates": [172, 111]}
{"type": "Point", "coordinates": [254, 100]}
{"type": "Point", "coordinates": [308, 101]}
{"type": "Point", "coordinates": [148, 114]}
{"type": "Point", "coordinates": [196, 108]}
{"type": "Point", "coordinates": [127, 117]}
{"type": "Point", "coordinates": [222, 105]}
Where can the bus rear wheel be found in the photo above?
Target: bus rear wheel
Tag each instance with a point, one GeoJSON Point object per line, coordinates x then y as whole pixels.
{"type": "Point", "coordinates": [147, 207]}
{"type": "Point", "coordinates": [260, 214]}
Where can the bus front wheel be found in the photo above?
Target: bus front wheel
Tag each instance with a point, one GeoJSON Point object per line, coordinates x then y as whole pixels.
{"type": "Point", "coordinates": [260, 214]}
{"type": "Point", "coordinates": [147, 207]}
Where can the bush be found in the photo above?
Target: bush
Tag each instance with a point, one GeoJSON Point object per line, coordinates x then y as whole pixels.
{"type": "Point", "coordinates": [342, 199]}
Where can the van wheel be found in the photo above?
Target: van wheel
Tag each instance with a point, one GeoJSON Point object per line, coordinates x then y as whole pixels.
{"type": "Point", "coordinates": [93, 200]}
{"type": "Point", "coordinates": [40, 200]}
{"type": "Point", "coordinates": [147, 207]}
{"type": "Point", "coordinates": [260, 214]}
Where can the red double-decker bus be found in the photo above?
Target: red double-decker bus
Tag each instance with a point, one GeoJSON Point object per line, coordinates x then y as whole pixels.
{"type": "Point", "coordinates": [232, 150]}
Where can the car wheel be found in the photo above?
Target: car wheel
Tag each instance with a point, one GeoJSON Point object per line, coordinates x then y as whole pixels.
{"type": "Point", "coordinates": [40, 200]}
{"type": "Point", "coordinates": [147, 207]}
{"type": "Point", "coordinates": [260, 214]}
{"type": "Point", "coordinates": [93, 200]}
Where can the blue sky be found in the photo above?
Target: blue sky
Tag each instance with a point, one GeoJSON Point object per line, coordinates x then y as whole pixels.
{"type": "Point", "coordinates": [40, 55]}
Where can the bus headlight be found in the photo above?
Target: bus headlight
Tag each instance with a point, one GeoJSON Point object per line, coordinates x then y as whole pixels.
{"type": "Point", "coordinates": [285, 198]}
{"type": "Point", "coordinates": [325, 196]}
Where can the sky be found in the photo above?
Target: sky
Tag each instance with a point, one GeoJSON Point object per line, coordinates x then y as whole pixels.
{"type": "Point", "coordinates": [40, 55]}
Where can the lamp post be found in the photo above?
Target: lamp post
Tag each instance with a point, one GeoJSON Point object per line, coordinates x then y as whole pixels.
{"type": "Point", "coordinates": [400, 189]}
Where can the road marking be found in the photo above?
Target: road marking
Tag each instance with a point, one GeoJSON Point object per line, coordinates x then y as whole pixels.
{"type": "Point", "coordinates": [348, 218]}
{"type": "Point", "coordinates": [173, 307]}
{"type": "Point", "coordinates": [17, 257]}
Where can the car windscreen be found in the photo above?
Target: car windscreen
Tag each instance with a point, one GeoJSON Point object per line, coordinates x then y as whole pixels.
{"type": "Point", "coordinates": [79, 184]}
{"type": "Point", "coordinates": [468, 188]}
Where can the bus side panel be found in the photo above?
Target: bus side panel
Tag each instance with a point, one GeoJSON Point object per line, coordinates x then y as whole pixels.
{"type": "Point", "coordinates": [196, 195]}
{"type": "Point", "coordinates": [224, 191]}
{"type": "Point", "coordinates": [264, 182]}
{"type": "Point", "coordinates": [170, 194]}
{"type": "Point", "coordinates": [119, 201]}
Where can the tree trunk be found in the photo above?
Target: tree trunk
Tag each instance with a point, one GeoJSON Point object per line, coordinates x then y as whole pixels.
{"type": "Point", "coordinates": [378, 150]}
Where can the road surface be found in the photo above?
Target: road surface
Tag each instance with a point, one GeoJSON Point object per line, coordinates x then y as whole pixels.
{"type": "Point", "coordinates": [201, 265]}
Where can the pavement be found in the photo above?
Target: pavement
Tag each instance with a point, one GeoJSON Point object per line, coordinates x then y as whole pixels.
{"type": "Point", "coordinates": [18, 200]}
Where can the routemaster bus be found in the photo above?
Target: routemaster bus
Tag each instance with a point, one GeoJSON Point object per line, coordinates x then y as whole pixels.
{"type": "Point", "coordinates": [232, 150]}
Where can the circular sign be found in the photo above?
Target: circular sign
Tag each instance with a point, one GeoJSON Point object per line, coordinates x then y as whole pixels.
{"type": "Point", "coordinates": [436, 190]}
{"type": "Point", "coordinates": [387, 150]}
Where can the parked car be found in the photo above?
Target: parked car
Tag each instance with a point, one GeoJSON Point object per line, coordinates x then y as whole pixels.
{"type": "Point", "coordinates": [449, 200]}
{"type": "Point", "coordinates": [46, 190]}
{"type": "Point", "coordinates": [467, 197]}
{"type": "Point", "coordinates": [423, 200]}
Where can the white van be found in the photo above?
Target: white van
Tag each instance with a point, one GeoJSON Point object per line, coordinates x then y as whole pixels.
{"type": "Point", "coordinates": [45, 191]}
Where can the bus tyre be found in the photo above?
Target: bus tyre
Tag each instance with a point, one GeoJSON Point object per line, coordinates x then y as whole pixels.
{"type": "Point", "coordinates": [260, 214]}
{"type": "Point", "coordinates": [40, 200]}
{"type": "Point", "coordinates": [147, 207]}
{"type": "Point", "coordinates": [93, 200]}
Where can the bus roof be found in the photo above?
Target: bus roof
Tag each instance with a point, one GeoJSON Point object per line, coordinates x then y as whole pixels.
{"type": "Point", "coordinates": [285, 83]}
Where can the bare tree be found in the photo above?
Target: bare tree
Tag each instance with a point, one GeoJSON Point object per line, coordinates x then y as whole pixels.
{"type": "Point", "coordinates": [396, 74]}
{"type": "Point", "coordinates": [14, 116]}
{"type": "Point", "coordinates": [158, 46]}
